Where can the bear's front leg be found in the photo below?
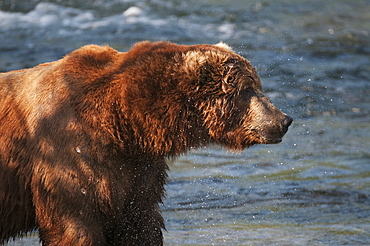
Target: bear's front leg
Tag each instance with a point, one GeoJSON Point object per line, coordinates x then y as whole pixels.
{"type": "Point", "coordinates": [140, 227]}
{"type": "Point", "coordinates": [66, 211]}
{"type": "Point", "coordinates": [70, 233]}
{"type": "Point", "coordinates": [59, 226]}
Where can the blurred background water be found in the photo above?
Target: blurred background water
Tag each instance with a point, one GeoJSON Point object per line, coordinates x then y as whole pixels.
{"type": "Point", "coordinates": [314, 60]}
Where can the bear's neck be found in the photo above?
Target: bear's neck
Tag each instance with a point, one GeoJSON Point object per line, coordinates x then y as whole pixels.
{"type": "Point", "coordinates": [162, 125]}
{"type": "Point", "coordinates": [166, 128]}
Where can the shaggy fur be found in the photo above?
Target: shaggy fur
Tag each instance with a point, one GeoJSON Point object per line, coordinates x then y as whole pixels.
{"type": "Point", "coordinates": [83, 140]}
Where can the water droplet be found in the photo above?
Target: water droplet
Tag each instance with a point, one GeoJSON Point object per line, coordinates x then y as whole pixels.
{"type": "Point", "coordinates": [78, 149]}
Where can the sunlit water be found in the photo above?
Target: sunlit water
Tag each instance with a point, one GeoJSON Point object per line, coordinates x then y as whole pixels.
{"type": "Point", "coordinates": [314, 60]}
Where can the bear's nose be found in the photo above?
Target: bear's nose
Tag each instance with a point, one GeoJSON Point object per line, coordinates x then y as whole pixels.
{"type": "Point", "coordinates": [287, 121]}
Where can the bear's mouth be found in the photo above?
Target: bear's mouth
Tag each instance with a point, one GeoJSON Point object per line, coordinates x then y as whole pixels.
{"type": "Point", "coordinates": [272, 140]}
{"type": "Point", "coordinates": [271, 137]}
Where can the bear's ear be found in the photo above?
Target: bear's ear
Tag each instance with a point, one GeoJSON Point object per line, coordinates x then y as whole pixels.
{"type": "Point", "coordinates": [224, 46]}
{"type": "Point", "coordinates": [229, 75]}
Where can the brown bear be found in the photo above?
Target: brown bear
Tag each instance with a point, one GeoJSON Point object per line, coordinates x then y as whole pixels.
{"type": "Point", "coordinates": [83, 140]}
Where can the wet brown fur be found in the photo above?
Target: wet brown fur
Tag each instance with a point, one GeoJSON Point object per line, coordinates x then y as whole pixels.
{"type": "Point", "coordinates": [83, 140]}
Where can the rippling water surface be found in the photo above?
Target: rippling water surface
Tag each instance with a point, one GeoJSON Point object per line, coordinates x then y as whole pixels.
{"type": "Point", "coordinates": [314, 60]}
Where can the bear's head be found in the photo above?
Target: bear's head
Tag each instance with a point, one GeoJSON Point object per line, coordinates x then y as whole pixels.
{"type": "Point", "coordinates": [227, 93]}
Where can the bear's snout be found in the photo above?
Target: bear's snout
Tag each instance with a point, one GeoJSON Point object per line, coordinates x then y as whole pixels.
{"type": "Point", "coordinates": [286, 122]}
{"type": "Point", "coordinates": [275, 134]}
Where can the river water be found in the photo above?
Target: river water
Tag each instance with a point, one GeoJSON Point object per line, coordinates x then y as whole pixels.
{"type": "Point", "coordinates": [314, 60]}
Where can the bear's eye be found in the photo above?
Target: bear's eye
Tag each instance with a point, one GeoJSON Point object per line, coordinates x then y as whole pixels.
{"type": "Point", "coordinates": [246, 93]}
